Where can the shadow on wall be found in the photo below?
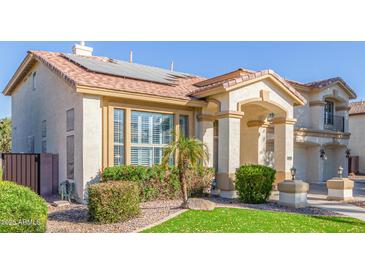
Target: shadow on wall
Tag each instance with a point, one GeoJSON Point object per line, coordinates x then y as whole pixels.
{"type": "Point", "coordinates": [93, 180]}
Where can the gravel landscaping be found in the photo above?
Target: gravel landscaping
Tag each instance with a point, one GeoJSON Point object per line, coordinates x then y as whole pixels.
{"type": "Point", "coordinates": [74, 217]}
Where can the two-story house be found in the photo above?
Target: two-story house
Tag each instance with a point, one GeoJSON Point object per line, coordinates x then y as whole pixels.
{"type": "Point", "coordinates": [96, 112]}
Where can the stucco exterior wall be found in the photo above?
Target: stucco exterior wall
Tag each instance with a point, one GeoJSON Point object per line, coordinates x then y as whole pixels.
{"type": "Point", "coordinates": [49, 101]}
{"type": "Point", "coordinates": [92, 141]}
{"type": "Point", "coordinates": [253, 91]}
{"type": "Point", "coordinates": [303, 114]}
{"type": "Point", "coordinates": [357, 143]}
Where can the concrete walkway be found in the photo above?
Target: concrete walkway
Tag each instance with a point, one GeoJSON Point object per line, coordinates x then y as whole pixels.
{"type": "Point", "coordinates": [320, 201]}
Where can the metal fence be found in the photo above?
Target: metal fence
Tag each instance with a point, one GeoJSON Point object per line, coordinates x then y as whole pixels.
{"type": "Point", "coordinates": [37, 171]}
{"type": "Point", "coordinates": [334, 122]}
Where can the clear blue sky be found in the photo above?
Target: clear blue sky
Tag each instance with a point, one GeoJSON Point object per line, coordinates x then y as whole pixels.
{"type": "Point", "coordinates": [301, 61]}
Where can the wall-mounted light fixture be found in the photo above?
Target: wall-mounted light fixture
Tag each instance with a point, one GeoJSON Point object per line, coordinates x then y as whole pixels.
{"type": "Point", "coordinates": [322, 154]}
{"type": "Point", "coordinates": [293, 171]}
{"type": "Point", "coordinates": [348, 153]}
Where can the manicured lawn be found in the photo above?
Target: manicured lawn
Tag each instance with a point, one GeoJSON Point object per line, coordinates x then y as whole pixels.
{"type": "Point", "coordinates": [233, 220]}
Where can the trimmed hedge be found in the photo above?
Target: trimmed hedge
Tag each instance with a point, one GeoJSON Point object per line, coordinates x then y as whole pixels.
{"type": "Point", "coordinates": [21, 209]}
{"type": "Point", "coordinates": [158, 182]}
{"type": "Point", "coordinates": [254, 183]}
{"type": "Point", "coordinates": [113, 202]}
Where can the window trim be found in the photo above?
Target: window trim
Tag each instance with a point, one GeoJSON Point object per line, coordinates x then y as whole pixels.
{"type": "Point", "coordinates": [108, 121]}
{"type": "Point", "coordinates": [150, 143]}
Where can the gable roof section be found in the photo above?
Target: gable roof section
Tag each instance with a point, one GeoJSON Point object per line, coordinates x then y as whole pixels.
{"type": "Point", "coordinates": [357, 108]}
{"type": "Point", "coordinates": [242, 76]}
{"type": "Point", "coordinates": [77, 75]}
{"type": "Point", "coordinates": [321, 84]}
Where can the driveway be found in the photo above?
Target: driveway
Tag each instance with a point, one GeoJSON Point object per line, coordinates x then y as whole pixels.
{"type": "Point", "coordinates": [316, 188]}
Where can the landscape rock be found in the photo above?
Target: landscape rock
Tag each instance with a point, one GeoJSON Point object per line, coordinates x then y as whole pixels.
{"type": "Point", "coordinates": [200, 204]}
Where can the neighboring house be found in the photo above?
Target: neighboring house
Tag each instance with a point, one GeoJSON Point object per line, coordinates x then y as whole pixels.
{"type": "Point", "coordinates": [357, 129]}
{"type": "Point", "coordinates": [97, 112]}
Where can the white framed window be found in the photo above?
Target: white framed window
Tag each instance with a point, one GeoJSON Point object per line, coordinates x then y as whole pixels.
{"type": "Point", "coordinates": [150, 133]}
{"type": "Point", "coordinates": [119, 158]}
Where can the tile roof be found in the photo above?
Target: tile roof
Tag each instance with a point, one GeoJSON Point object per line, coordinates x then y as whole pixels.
{"type": "Point", "coordinates": [243, 77]}
{"type": "Point", "coordinates": [324, 83]}
{"type": "Point", "coordinates": [357, 108]}
{"type": "Point", "coordinates": [182, 88]}
{"type": "Point", "coordinates": [78, 75]}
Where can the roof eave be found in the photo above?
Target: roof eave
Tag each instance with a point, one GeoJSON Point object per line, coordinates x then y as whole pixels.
{"type": "Point", "coordinates": [17, 76]}
{"type": "Point", "coordinates": [125, 94]}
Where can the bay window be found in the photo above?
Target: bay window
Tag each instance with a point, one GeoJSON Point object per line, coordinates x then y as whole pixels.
{"type": "Point", "coordinates": [150, 133]}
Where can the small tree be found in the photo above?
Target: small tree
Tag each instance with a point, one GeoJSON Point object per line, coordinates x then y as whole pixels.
{"type": "Point", "coordinates": [190, 152]}
{"type": "Point", "coordinates": [5, 135]}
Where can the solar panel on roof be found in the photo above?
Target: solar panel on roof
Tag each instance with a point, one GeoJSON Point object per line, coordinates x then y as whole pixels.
{"type": "Point", "coordinates": [128, 70]}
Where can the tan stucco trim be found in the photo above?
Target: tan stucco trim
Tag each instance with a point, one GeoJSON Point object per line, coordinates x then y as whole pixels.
{"type": "Point", "coordinates": [258, 100]}
{"type": "Point", "coordinates": [109, 104]}
{"type": "Point", "coordinates": [215, 101]}
{"type": "Point", "coordinates": [206, 117]}
{"type": "Point", "coordinates": [229, 114]}
{"type": "Point", "coordinates": [297, 100]}
{"type": "Point", "coordinates": [257, 123]}
{"type": "Point", "coordinates": [321, 133]}
{"type": "Point", "coordinates": [265, 95]}
{"type": "Point", "coordinates": [139, 96]}
{"type": "Point", "coordinates": [296, 186]}
{"type": "Point", "coordinates": [340, 183]}
{"type": "Point", "coordinates": [316, 103]}
{"type": "Point", "coordinates": [283, 120]}
{"type": "Point", "coordinates": [342, 108]}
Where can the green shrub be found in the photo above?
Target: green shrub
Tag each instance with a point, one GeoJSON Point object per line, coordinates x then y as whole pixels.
{"type": "Point", "coordinates": [254, 183]}
{"type": "Point", "coordinates": [113, 202]}
{"type": "Point", "coordinates": [158, 182]}
{"type": "Point", "coordinates": [154, 182]}
{"type": "Point", "coordinates": [21, 209]}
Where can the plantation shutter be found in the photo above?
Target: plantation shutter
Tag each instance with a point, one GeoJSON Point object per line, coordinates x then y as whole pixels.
{"type": "Point", "coordinates": [150, 132]}
{"type": "Point", "coordinates": [119, 158]}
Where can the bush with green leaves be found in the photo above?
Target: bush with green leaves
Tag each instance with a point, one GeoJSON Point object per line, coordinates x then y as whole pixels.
{"type": "Point", "coordinates": [21, 209]}
{"type": "Point", "coordinates": [113, 202]}
{"type": "Point", "coordinates": [159, 182]}
{"type": "Point", "coordinates": [254, 183]}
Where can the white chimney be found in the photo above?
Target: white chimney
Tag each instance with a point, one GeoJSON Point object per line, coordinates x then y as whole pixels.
{"type": "Point", "coordinates": [81, 49]}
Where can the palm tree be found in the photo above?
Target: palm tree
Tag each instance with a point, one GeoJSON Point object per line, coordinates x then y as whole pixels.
{"type": "Point", "coordinates": [190, 152]}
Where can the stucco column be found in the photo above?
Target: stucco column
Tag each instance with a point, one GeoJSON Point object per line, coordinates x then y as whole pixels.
{"type": "Point", "coordinates": [253, 142]}
{"type": "Point", "coordinates": [207, 135]}
{"type": "Point", "coordinates": [228, 150]}
{"type": "Point", "coordinates": [283, 147]}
